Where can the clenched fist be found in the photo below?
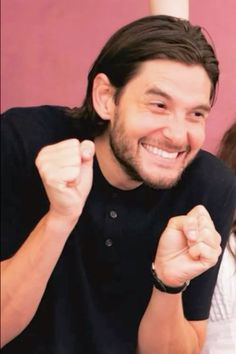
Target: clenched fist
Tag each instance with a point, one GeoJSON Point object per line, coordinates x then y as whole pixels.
{"type": "Point", "coordinates": [188, 246]}
{"type": "Point", "coordinates": [66, 172]}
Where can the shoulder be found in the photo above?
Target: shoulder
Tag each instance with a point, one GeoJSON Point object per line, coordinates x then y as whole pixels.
{"type": "Point", "coordinates": [27, 112]}
{"type": "Point", "coordinates": [24, 119]}
{"type": "Point", "coordinates": [208, 181]}
{"type": "Point", "coordinates": [207, 166]}
{"type": "Point", "coordinates": [28, 129]}
{"type": "Point", "coordinates": [208, 173]}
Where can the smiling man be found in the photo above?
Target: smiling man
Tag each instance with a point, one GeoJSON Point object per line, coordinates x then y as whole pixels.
{"type": "Point", "coordinates": [114, 219]}
{"type": "Point", "coordinates": [159, 124]}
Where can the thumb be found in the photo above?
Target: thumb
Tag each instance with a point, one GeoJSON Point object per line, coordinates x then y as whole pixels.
{"type": "Point", "coordinates": [87, 150]}
{"type": "Point", "coordinates": [192, 223]}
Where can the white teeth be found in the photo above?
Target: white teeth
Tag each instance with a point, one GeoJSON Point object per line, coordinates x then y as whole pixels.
{"type": "Point", "coordinates": [154, 150]}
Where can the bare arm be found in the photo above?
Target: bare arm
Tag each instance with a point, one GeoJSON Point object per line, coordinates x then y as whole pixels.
{"type": "Point", "coordinates": [66, 171]}
{"type": "Point", "coordinates": [164, 323]}
{"type": "Point", "coordinates": [189, 246]}
{"type": "Point", "coordinates": [177, 8]}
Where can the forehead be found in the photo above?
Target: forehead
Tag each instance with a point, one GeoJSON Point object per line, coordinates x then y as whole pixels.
{"type": "Point", "coordinates": [176, 79]}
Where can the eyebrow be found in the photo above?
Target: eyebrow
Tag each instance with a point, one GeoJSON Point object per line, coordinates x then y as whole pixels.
{"type": "Point", "coordinates": [158, 92]}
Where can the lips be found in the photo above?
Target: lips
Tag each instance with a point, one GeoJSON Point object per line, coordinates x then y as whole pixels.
{"type": "Point", "coordinates": [159, 152]}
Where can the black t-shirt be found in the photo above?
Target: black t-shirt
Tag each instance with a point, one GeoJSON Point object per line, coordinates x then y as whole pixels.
{"type": "Point", "coordinates": [101, 284]}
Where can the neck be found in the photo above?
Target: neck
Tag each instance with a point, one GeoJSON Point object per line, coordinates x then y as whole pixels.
{"type": "Point", "coordinates": [110, 167]}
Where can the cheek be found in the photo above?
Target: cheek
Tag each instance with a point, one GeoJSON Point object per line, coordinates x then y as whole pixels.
{"type": "Point", "coordinates": [197, 136]}
{"type": "Point", "coordinates": [143, 125]}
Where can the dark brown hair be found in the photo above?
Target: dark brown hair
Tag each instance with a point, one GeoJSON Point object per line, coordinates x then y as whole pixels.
{"type": "Point", "coordinates": [227, 153]}
{"type": "Point", "coordinates": [148, 38]}
{"type": "Point", "coordinates": [227, 148]}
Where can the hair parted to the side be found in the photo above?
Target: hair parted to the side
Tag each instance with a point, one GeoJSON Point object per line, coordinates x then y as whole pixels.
{"type": "Point", "coordinates": [148, 38]}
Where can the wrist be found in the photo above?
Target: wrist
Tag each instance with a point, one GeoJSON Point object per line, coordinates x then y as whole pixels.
{"type": "Point", "coordinates": [166, 287]}
{"type": "Point", "coordinates": [68, 216]}
{"type": "Point", "coordinates": [60, 222]}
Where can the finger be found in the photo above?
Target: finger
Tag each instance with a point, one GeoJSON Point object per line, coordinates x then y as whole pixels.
{"type": "Point", "coordinates": [86, 168]}
{"type": "Point", "coordinates": [197, 230]}
{"type": "Point", "coordinates": [188, 225]}
{"type": "Point", "coordinates": [58, 148]}
{"type": "Point", "coordinates": [198, 219]}
{"type": "Point", "coordinates": [61, 160]}
{"type": "Point", "coordinates": [87, 150]}
{"type": "Point", "coordinates": [205, 221]}
{"type": "Point", "coordinates": [201, 212]}
{"type": "Point", "coordinates": [62, 145]}
{"type": "Point", "coordinates": [62, 177]}
{"type": "Point", "coordinates": [86, 153]}
{"type": "Point", "coordinates": [190, 220]}
{"type": "Point", "coordinates": [190, 228]}
{"type": "Point", "coordinates": [197, 226]}
{"type": "Point", "coordinates": [204, 253]}
{"type": "Point", "coordinates": [206, 231]}
{"type": "Point", "coordinates": [64, 153]}
{"type": "Point", "coordinates": [72, 165]}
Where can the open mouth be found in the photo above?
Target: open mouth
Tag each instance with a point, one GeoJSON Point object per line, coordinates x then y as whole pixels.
{"type": "Point", "coordinates": [162, 153]}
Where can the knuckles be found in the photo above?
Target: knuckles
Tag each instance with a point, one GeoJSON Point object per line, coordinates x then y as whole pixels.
{"type": "Point", "coordinates": [61, 155]}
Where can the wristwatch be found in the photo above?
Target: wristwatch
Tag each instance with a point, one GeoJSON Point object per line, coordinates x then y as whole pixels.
{"type": "Point", "coordinates": [166, 288]}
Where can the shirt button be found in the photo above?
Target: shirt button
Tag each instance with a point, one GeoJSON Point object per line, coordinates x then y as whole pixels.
{"type": "Point", "coordinates": [113, 214]}
{"type": "Point", "coordinates": [108, 242]}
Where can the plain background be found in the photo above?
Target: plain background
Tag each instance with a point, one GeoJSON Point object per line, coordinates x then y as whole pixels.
{"type": "Point", "coordinates": [48, 46]}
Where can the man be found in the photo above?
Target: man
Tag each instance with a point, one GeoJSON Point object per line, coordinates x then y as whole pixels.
{"type": "Point", "coordinates": [111, 209]}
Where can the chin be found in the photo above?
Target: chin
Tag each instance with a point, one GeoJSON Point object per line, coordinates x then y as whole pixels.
{"type": "Point", "coordinates": [162, 182]}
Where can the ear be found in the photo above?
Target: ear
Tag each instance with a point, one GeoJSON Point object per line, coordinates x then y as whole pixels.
{"type": "Point", "coordinates": [103, 96]}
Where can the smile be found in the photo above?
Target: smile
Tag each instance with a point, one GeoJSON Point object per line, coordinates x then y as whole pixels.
{"type": "Point", "coordinates": [162, 153]}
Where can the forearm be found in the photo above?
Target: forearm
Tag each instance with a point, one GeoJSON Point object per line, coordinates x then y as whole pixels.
{"type": "Point", "coordinates": [164, 329]}
{"type": "Point", "coordinates": [189, 246]}
{"type": "Point", "coordinates": [177, 8]}
{"type": "Point", "coordinates": [25, 275]}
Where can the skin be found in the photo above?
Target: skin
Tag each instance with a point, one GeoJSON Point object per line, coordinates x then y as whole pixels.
{"type": "Point", "coordinates": [158, 126]}
{"type": "Point", "coordinates": [155, 130]}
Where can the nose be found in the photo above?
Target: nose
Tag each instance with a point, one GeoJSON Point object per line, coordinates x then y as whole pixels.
{"type": "Point", "coordinates": [175, 130]}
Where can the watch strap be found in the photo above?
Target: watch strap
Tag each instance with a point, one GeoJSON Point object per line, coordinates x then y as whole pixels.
{"type": "Point", "coordinates": [166, 288]}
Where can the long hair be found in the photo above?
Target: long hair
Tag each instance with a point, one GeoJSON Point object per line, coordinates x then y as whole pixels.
{"type": "Point", "coordinates": [227, 153]}
{"type": "Point", "coordinates": [148, 38]}
{"type": "Point", "coordinates": [227, 147]}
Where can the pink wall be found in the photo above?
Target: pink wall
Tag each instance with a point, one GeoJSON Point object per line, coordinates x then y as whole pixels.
{"type": "Point", "coordinates": [48, 47]}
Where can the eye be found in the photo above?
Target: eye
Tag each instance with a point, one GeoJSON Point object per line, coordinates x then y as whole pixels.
{"type": "Point", "coordinates": [158, 106]}
{"type": "Point", "coordinates": [199, 115]}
